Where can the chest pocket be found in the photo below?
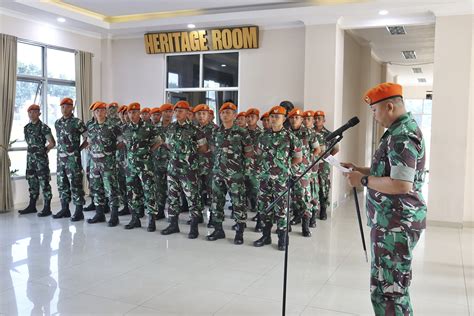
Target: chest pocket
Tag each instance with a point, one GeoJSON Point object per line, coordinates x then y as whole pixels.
{"type": "Point", "coordinates": [380, 162]}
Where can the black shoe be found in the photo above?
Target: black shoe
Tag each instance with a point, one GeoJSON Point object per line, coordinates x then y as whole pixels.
{"type": "Point", "coordinates": [296, 220]}
{"type": "Point", "coordinates": [107, 208]}
{"type": "Point", "coordinates": [99, 216]}
{"type": "Point", "coordinates": [141, 211]}
{"type": "Point", "coordinates": [305, 227]}
{"type": "Point", "coordinates": [134, 222]}
{"type": "Point", "coordinates": [200, 220]}
{"type": "Point", "coordinates": [114, 217]}
{"type": "Point", "coordinates": [266, 238]}
{"type": "Point", "coordinates": [78, 214]}
{"type": "Point", "coordinates": [281, 240]}
{"type": "Point", "coordinates": [31, 208]}
{"type": "Point", "coordinates": [64, 212]}
{"type": "Point", "coordinates": [193, 231]}
{"type": "Point", "coordinates": [258, 226]}
{"type": "Point", "coordinates": [46, 211]}
{"type": "Point", "coordinates": [160, 214]}
{"type": "Point", "coordinates": [173, 227]}
{"type": "Point", "coordinates": [124, 211]}
{"type": "Point", "coordinates": [90, 207]}
{"type": "Point", "coordinates": [234, 227]}
{"type": "Point", "coordinates": [218, 233]}
{"type": "Point", "coordinates": [323, 214]}
{"type": "Point", "coordinates": [312, 221]}
{"type": "Point", "coordinates": [239, 234]}
{"type": "Point", "coordinates": [210, 224]}
{"type": "Point", "coordinates": [151, 223]}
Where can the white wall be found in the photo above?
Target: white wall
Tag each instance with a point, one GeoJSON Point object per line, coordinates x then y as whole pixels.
{"type": "Point", "coordinates": [416, 92]}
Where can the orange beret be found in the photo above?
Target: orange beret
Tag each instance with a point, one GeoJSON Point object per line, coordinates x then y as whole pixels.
{"type": "Point", "coordinates": [253, 111]}
{"type": "Point", "coordinates": [228, 105]}
{"type": "Point", "coordinates": [182, 105]}
{"type": "Point", "coordinates": [91, 107]}
{"type": "Point", "coordinates": [382, 92]}
{"type": "Point", "coordinates": [99, 105]}
{"type": "Point", "coordinates": [166, 107]}
{"type": "Point", "coordinates": [66, 101]}
{"type": "Point", "coordinates": [211, 111]}
{"type": "Point", "coordinates": [244, 114]}
{"type": "Point", "coordinates": [201, 107]}
{"type": "Point", "coordinates": [33, 107]}
{"type": "Point", "coordinates": [122, 108]}
{"type": "Point", "coordinates": [319, 113]}
{"type": "Point", "coordinates": [308, 113]}
{"type": "Point", "coordinates": [295, 112]}
{"type": "Point", "coordinates": [147, 110]}
{"type": "Point", "coordinates": [112, 104]}
{"type": "Point", "coordinates": [155, 111]}
{"type": "Point", "coordinates": [265, 115]}
{"type": "Point", "coordinates": [135, 106]}
{"type": "Point", "coordinates": [277, 110]}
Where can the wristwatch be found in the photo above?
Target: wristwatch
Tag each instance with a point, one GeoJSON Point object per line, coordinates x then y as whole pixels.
{"type": "Point", "coordinates": [364, 181]}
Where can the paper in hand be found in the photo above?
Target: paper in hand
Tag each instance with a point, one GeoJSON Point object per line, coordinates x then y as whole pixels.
{"type": "Point", "coordinates": [334, 162]}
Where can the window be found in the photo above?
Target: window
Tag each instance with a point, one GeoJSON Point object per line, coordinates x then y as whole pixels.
{"type": "Point", "coordinates": [210, 78]}
{"type": "Point", "coordinates": [45, 75]}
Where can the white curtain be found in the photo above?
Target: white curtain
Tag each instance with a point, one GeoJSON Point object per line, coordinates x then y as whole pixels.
{"type": "Point", "coordinates": [83, 84]}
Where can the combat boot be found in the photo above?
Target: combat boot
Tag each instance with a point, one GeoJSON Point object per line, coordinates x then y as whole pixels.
{"type": "Point", "coordinates": [90, 207]}
{"type": "Point", "coordinates": [173, 227]}
{"type": "Point", "coordinates": [141, 211]}
{"type": "Point", "coordinates": [193, 231]}
{"type": "Point", "coordinates": [218, 233]}
{"type": "Point", "coordinates": [305, 227]}
{"type": "Point", "coordinates": [312, 221]}
{"type": "Point", "coordinates": [99, 216]}
{"type": "Point", "coordinates": [296, 219]}
{"type": "Point", "coordinates": [161, 213]}
{"type": "Point", "coordinates": [78, 214]}
{"type": "Point", "coordinates": [239, 234]}
{"type": "Point", "coordinates": [124, 211]}
{"type": "Point", "coordinates": [281, 239]}
{"type": "Point", "coordinates": [235, 226]}
{"type": "Point", "coordinates": [134, 222]}
{"type": "Point", "coordinates": [259, 225]}
{"type": "Point", "coordinates": [323, 214]}
{"type": "Point", "coordinates": [151, 223]}
{"type": "Point", "coordinates": [106, 207]}
{"type": "Point", "coordinates": [64, 212]}
{"type": "Point", "coordinates": [46, 211]}
{"type": "Point", "coordinates": [114, 217]}
{"type": "Point", "coordinates": [200, 220]}
{"type": "Point", "coordinates": [210, 224]}
{"type": "Point", "coordinates": [266, 239]}
{"type": "Point", "coordinates": [31, 208]}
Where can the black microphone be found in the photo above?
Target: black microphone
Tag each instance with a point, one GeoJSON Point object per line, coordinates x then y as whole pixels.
{"type": "Point", "coordinates": [352, 122]}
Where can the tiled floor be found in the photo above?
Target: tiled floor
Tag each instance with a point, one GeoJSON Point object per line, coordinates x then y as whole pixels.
{"type": "Point", "coordinates": [57, 267]}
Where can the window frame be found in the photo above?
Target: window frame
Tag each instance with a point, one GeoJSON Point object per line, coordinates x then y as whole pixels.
{"type": "Point", "coordinates": [44, 81]}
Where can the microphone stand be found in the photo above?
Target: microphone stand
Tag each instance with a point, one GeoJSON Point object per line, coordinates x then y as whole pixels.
{"type": "Point", "coordinates": [290, 185]}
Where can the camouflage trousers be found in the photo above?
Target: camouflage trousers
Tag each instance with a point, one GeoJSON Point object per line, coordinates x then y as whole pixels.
{"type": "Point", "coordinates": [161, 180]}
{"type": "Point", "coordinates": [141, 186]}
{"type": "Point", "coordinates": [234, 184]}
{"type": "Point", "coordinates": [324, 178]}
{"type": "Point", "coordinates": [251, 189]}
{"type": "Point", "coordinates": [270, 189]}
{"type": "Point", "coordinates": [103, 183]}
{"type": "Point", "coordinates": [314, 189]}
{"type": "Point", "coordinates": [183, 185]}
{"type": "Point", "coordinates": [390, 276]}
{"type": "Point", "coordinates": [301, 198]}
{"type": "Point", "coordinates": [122, 181]}
{"type": "Point", "coordinates": [38, 176]}
{"type": "Point", "coordinates": [69, 177]}
{"type": "Point", "coordinates": [205, 187]}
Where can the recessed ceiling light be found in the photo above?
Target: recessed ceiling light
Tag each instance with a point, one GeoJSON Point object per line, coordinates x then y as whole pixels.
{"type": "Point", "coordinates": [383, 12]}
{"type": "Point", "coordinates": [421, 80]}
{"type": "Point", "coordinates": [191, 26]}
{"type": "Point", "coordinates": [61, 20]}
{"type": "Point", "coordinates": [396, 30]}
{"type": "Point", "coordinates": [223, 65]}
{"type": "Point", "coordinates": [417, 70]}
{"type": "Point", "coordinates": [409, 54]}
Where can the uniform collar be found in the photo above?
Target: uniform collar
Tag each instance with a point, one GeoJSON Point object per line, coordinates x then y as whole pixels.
{"type": "Point", "coordinates": [400, 120]}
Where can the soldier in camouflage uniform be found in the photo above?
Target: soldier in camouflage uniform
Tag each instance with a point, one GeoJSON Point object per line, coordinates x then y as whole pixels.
{"type": "Point", "coordinates": [301, 193]}
{"type": "Point", "coordinates": [145, 115]}
{"type": "Point", "coordinates": [185, 142]}
{"type": "Point", "coordinates": [324, 172]}
{"type": "Point", "coordinates": [208, 128]}
{"type": "Point", "coordinates": [251, 166]}
{"type": "Point", "coordinates": [155, 116]}
{"type": "Point", "coordinates": [104, 137]}
{"type": "Point", "coordinates": [141, 139]}
{"type": "Point", "coordinates": [160, 160]}
{"type": "Point", "coordinates": [266, 121]}
{"type": "Point", "coordinates": [396, 209]}
{"type": "Point", "coordinates": [233, 145]}
{"type": "Point", "coordinates": [278, 149]}
{"type": "Point", "coordinates": [122, 165]}
{"type": "Point", "coordinates": [308, 121]}
{"type": "Point", "coordinates": [37, 134]}
{"type": "Point", "coordinates": [91, 206]}
{"type": "Point", "coordinates": [241, 120]}
{"type": "Point", "coordinates": [69, 167]}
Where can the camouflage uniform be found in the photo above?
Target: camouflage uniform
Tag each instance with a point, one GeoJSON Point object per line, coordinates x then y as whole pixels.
{"type": "Point", "coordinates": [396, 221]}
{"type": "Point", "coordinates": [276, 150]}
{"type": "Point", "coordinates": [251, 171]}
{"type": "Point", "coordinates": [324, 172]}
{"type": "Point", "coordinates": [160, 165]}
{"type": "Point", "coordinates": [183, 141]}
{"type": "Point", "coordinates": [301, 194]}
{"type": "Point", "coordinates": [103, 139]}
{"type": "Point", "coordinates": [228, 172]}
{"type": "Point", "coordinates": [37, 162]}
{"type": "Point", "coordinates": [69, 167]}
{"type": "Point", "coordinates": [139, 138]}
{"type": "Point", "coordinates": [91, 207]}
{"type": "Point", "coordinates": [206, 163]}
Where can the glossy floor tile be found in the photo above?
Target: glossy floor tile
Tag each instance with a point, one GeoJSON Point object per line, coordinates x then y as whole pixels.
{"type": "Point", "coordinates": [55, 267]}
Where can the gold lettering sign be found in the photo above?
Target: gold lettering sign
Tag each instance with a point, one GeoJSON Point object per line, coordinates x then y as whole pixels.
{"type": "Point", "coordinates": [245, 37]}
